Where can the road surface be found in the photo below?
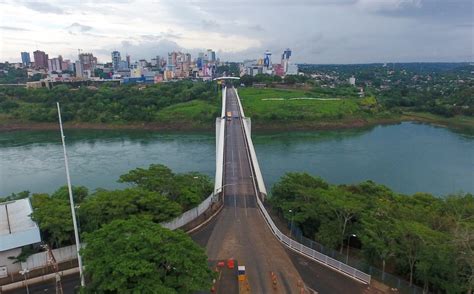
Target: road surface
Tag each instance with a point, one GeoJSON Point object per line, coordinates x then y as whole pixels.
{"type": "Point", "coordinates": [240, 232]}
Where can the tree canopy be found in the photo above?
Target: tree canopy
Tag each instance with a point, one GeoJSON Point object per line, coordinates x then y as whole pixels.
{"type": "Point", "coordinates": [139, 256]}
{"type": "Point", "coordinates": [187, 189]}
{"type": "Point", "coordinates": [427, 239]}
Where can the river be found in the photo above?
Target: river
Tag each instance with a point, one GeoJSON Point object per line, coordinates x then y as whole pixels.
{"type": "Point", "coordinates": [407, 157]}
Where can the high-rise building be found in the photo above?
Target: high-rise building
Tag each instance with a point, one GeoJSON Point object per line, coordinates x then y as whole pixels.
{"type": "Point", "coordinates": [55, 64]}
{"type": "Point", "coordinates": [41, 59]}
{"type": "Point", "coordinates": [25, 58]}
{"type": "Point", "coordinates": [267, 59]}
{"type": "Point", "coordinates": [211, 55]}
{"type": "Point", "coordinates": [285, 59]}
{"type": "Point", "coordinates": [127, 57]}
{"type": "Point", "coordinates": [86, 64]}
{"type": "Point", "coordinates": [116, 59]}
{"type": "Point", "coordinates": [67, 65]}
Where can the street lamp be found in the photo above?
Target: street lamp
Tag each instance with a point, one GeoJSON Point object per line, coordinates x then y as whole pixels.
{"type": "Point", "coordinates": [348, 242]}
{"type": "Point", "coordinates": [24, 273]}
{"type": "Point", "coordinates": [291, 225]}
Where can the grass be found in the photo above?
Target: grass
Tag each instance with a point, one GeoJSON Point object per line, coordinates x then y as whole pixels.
{"type": "Point", "coordinates": [259, 109]}
{"type": "Point", "coordinates": [196, 111]}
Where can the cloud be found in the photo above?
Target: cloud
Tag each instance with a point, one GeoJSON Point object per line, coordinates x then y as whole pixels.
{"type": "Point", "coordinates": [209, 24]}
{"type": "Point", "coordinates": [147, 48]}
{"type": "Point", "coordinates": [77, 28]}
{"type": "Point", "coordinates": [256, 28]}
{"type": "Point", "coordinates": [42, 7]}
{"type": "Point", "coordinates": [318, 31]}
{"type": "Point", "coordinates": [450, 11]}
{"type": "Point", "coordinates": [13, 28]}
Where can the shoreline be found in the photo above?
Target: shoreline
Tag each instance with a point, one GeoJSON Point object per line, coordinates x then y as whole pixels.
{"type": "Point", "coordinates": [357, 123]}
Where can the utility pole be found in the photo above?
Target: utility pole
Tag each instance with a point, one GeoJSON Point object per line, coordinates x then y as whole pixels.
{"type": "Point", "coordinates": [71, 201]}
{"type": "Point", "coordinates": [348, 243]}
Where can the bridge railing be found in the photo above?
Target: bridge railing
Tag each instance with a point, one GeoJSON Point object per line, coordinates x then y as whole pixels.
{"type": "Point", "coordinates": [287, 241]}
{"type": "Point", "coordinates": [311, 253]}
{"type": "Point", "coordinates": [189, 215]}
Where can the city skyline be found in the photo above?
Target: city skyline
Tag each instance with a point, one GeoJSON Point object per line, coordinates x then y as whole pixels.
{"type": "Point", "coordinates": [343, 31]}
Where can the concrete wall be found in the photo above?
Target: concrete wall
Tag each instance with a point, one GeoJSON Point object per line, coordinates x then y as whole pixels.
{"type": "Point", "coordinates": [8, 263]}
{"type": "Point", "coordinates": [220, 136]}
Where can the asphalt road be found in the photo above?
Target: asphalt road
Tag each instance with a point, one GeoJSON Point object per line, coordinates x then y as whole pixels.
{"type": "Point", "coordinates": [69, 284]}
{"type": "Point", "coordinates": [239, 231]}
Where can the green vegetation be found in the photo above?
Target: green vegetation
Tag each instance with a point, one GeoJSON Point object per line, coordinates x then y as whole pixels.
{"type": "Point", "coordinates": [298, 107]}
{"type": "Point", "coordinates": [435, 93]}
{"type": "Point", "coordinates": [107, 104]}
{"type": "Point", "coordinates": [127, 250]}
{"type": "Point", "coordinates": [157, 195]}
{"type": "Point", "coordinates": [269, 80]}
{"type": "Point", "coordinates": [139, 256]}
{"type": "Point", "coordinates": [187, 190]}
{"type": "Point", "coordinates": [12, 75]}
{"type": "Point", "coordinates": [424, 238]}
{"type": "Point", "coordinates": [445, 89]}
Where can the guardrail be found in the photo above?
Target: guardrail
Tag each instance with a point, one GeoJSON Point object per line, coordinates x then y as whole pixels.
{"type": "Point", "coordinates": [311, 253]}
{"type": "Point", "coordinates": [189, 215]}
{"type": "Point", "coordinates": [287, 241]}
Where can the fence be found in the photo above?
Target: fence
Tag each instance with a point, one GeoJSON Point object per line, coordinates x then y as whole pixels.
{"type": "Point", "coordinates": [38, 260]}
{"type": "Point", "coordinates": [313, 254]}
{"type": "Point", "coordinates": [189, 215]}
{"type": "Point", "coordinates": [388, 279]}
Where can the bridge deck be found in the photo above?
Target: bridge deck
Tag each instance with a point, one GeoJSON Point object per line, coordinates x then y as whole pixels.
{"type": "Point", "coordinates": [240, 231]}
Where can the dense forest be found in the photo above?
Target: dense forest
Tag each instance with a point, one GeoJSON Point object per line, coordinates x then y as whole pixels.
{"type": "Point", "coordinates": [428, 240]}
{"type": "Point", "coordinates": [106, 104]}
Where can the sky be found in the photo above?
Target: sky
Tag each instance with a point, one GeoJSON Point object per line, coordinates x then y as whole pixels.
{"type": "Point", "coordinates": [317, 31]}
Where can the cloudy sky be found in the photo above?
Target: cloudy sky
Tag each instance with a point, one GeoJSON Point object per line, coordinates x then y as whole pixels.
{"type": "Point", "coordinates": [318, 31]}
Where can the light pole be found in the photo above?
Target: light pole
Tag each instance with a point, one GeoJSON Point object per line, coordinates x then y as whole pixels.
{"type": "Point", "coordinates": [71, 201]}
{"type": "Point", "coordinates": [348, 242]}
{"type": "Point", "coordinates": [291, 224]}
{"type": "Point", "coordinates": [24, 273]}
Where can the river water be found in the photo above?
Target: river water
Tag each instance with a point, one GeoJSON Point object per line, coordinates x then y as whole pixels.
{"type": "Point", "coordinates": [406, 157]}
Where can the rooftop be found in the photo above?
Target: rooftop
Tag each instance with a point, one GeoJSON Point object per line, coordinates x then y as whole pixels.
{"type": "Point", "coordinates": [17, 229]}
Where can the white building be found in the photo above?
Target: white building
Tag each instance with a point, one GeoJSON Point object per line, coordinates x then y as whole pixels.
{"type": "Point", "coordinates": [17, 229]}
{"type": "Point", "coordinates": [292, 69]}
{"type": "Point", "coordinates": [352, 81]}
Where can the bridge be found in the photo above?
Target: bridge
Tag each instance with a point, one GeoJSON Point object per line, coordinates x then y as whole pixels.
{"type": "Point", "coordinates": [245, 231]}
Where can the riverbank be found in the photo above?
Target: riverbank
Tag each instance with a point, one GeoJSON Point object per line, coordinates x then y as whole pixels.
{"type": "Point", "coordinates": [11, 126]}
{"type": "Point", "coordinates": [457, 123]}
{"type": "Point", "coordinates": [461, 123]}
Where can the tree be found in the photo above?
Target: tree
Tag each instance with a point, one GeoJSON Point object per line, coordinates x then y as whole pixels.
{"type": "Point", "coordinates": [105, 206]}
{"type": "Point", "coordinates": [188, 189]}
{"type": "Point", "coordinates": [53, 216]}
{"type": "Point", "coordinates": [411, 237]}
{"type": "Point", "coordinates": [377, 236]}
{"type": "Point", "coordinates": [345, 206]}
{"type": "Point", "coordinates": [139, 256]}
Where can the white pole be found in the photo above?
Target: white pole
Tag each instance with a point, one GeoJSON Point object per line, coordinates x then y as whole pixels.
{"type": "Point", "coordinates": [71, 201]}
